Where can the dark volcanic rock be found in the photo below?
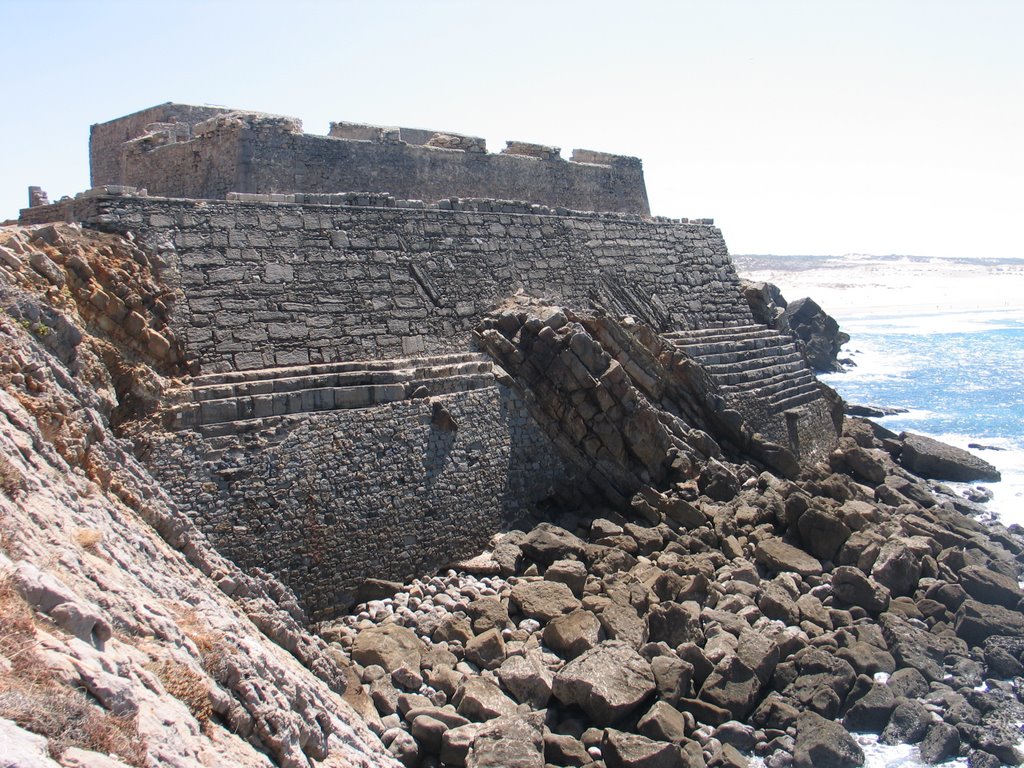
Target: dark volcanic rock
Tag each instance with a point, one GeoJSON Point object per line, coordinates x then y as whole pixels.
{"type": "Point", "coordinates": [990, 587]}
{"type": "Point", "coordinates": [933, 459]}
{"type": "Point", "coordinates": [733, 686]}
{"type": "Point", "coordinates": [822, 533]}
{"type": "Point", "coordinates": [818, 331]}
{"type": "Point", "coordinates": [914, 647]}
{"type": "Point", "coordinates": [854, 588]}
{"type": "Point", "coordinates": [870, 713]}
{"type": "Point", "coordinates": [822, 743]}
{"type": "Point", "coordinates": [941, 742]}
{"type": "Point", "coordinates": [907, 724]}
{"type": "Point", "coordinates": [976, 622]}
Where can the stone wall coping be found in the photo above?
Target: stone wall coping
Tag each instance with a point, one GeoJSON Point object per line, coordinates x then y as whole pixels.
{"type": "Point", "coordinates": [367, 200]}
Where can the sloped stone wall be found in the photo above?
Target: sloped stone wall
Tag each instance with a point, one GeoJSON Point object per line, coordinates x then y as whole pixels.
{"type": "Point", "coordinates": [286, 284]}
{"type": "Point", "coordinates": [326, 500]}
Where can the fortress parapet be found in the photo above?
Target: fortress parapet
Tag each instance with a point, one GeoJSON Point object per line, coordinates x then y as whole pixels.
{"type": "Point", "coordinates": [177, 150]}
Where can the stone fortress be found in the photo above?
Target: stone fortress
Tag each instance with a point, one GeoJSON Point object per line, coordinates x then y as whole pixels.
{"type": "Point", "coordinates": [393, 344]}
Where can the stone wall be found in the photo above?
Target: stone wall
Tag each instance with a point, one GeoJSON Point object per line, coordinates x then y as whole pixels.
{"type": "Point", "coordinates": [256, 153]}
{"type": "Point", "coordinates": [327, 500]}
{"type": "Point", "coordinates": [288, 284]}
{"type": "Point", "coordinates": [106, 140]}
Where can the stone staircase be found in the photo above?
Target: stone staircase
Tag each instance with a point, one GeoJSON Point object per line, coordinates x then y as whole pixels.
{"type": "Point", "coordinates": [752, 362]}
{"type": "Point", "coordinates": [222, 404]}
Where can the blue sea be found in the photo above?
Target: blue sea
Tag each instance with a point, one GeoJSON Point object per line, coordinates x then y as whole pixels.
{"type": "Point", "coordinates": [941, 338]}
{"type": "Point", "coordinates": [966, 388]}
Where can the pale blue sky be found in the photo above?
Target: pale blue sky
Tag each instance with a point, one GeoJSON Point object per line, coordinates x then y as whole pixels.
{"type": "Point", "coordinates": [890, 126]}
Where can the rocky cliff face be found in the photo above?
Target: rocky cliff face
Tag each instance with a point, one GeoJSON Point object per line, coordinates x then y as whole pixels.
{"type": "Point", "coordinates": [126, 639]}
{"type": "Point", "coordinates": [713, 595]}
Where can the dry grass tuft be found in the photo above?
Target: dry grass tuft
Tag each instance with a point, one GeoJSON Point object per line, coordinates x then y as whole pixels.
{"type": "Point", "coordinates": [12, 483]}
{"type": "Point", "coordinates": [34, 698]}
{"type": "Point", "coordinates": [88, 539]}
{"type": "Point", "coordinates": [212, 644]}
{"type": "Point", "coordinates": [186, 685]}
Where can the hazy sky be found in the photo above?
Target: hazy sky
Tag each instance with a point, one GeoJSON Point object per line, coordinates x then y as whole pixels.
{"type": "Point", "coordinates": [802, 127]}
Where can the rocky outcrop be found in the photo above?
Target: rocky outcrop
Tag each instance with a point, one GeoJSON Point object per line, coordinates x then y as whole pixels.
{"type": "Point", "coordinates": [816, 331]}
{"type": "Point", "coordinates": [124, 632]}
{"type": "Point", "coordinates": [711, 594]}
{"type": "Point", "coordinates": [927, 457]}
{"type": "Point", "coordinates": [752, 629]}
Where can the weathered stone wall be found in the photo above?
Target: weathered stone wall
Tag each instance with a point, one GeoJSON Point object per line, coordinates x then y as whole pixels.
{"type": "Point", "coordinates": [106, 140]}
{"type": "Point", "coordinates": [327, 500]}
{"type": "Point", "coordinates": [287, 284]}
{"type": "Point", "coordinates": [254, 153]}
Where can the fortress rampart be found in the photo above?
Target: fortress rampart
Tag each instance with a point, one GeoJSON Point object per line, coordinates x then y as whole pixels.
{"type": "Point", "coordinates": [263, 284]}
{"type": "Point", "coordinates": [177, 150]}
{"type": "Point", "coordinates": [380, 375]}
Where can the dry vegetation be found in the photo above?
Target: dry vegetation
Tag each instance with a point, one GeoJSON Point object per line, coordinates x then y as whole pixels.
{"type": "Point", "coordinates": [34, 698]}
{"type": "Point", "coordinates": [186, 685]}
{"type": "Point", "coordinates": [11, 481]}
{"type": "Point", "coordinates": [88, 539]}
{"type": "Point", "coordinates": [212, 644]}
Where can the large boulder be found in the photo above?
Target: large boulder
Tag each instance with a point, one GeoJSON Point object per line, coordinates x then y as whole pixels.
{"type": "Point", "coordinates": [544, 600]}
{"type": "Point", "coordinates": [622, 622]}
{"type": "Point", "coordinates": [989, 586]}
{"type": "Point", "coordinates": [816, 330]}
{"type": "Point", "coordinates": [822, 532]}
{"type": "Point", "coordinates": [822, 743]}
{"type": "Point", "coordinates": [870, 713]}
{"type": "Point", "coordinates": [976, 622]}
{"type": "Point", "coordinates": [388, 645]}
{"type": "Point", "coordinates": [527, 678]}
{"type": "Point", "coordinates": [607, 682]}
{"type": "Point", "coordinates": [573, 633]}
{"type": "Point", "coordinates": [480, 698]}
{"type": "Point", "coordinates": [733, 686]}
{"type": "Point", "coordinates": [918, 648]}
{"type": "Point", "coordinates": [934, 459]}
{"type": "Point", "coordinates": [630, 750]}
{"type": "Point", "coordinates": [851, 586]}
{"type": "Point", "coordinates": [547, 543]}
{"type": "Point", "coordinates": [510, 741]}
{"type": "Point", "coordinates": [777, 555]}
{"type": "Point", "coordinates": [897, 568]}
{"type": "Point", "coordinates": [674, 623]}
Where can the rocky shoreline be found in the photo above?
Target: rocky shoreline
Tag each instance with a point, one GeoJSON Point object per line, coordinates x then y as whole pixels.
{"type": "Point", "coordinates": [760, 617]}
{"type": "Point", "coordinates": [732, 616]}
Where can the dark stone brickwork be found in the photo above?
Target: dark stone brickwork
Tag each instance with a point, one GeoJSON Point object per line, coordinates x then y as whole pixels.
{"type": "Point", "coordinates": [285, 284]}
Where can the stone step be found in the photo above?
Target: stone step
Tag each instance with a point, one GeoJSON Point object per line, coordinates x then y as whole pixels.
{"type": "Point", "coordinates": [325, 380]}
{"type": "Point", "coordinates": [702, 350]}
{"type": "Point", "coordinates": [772, 386]}
{"type": "Point", "coordinates": [796, 401]}
{"type": "Point", "coordinates": [732, 355]}
{"type": "Point", "coordinates": [723, 332]}
{"type": "Point", "coordinates": [262, 374]}
{"type": "Point", "coordinates": [244, 408]}
{"type": "Point", "coordinates": [755, 368]}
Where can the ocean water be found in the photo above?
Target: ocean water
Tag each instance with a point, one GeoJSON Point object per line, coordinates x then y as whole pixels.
{"type": "Point", "coordinates": [942, 338]}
